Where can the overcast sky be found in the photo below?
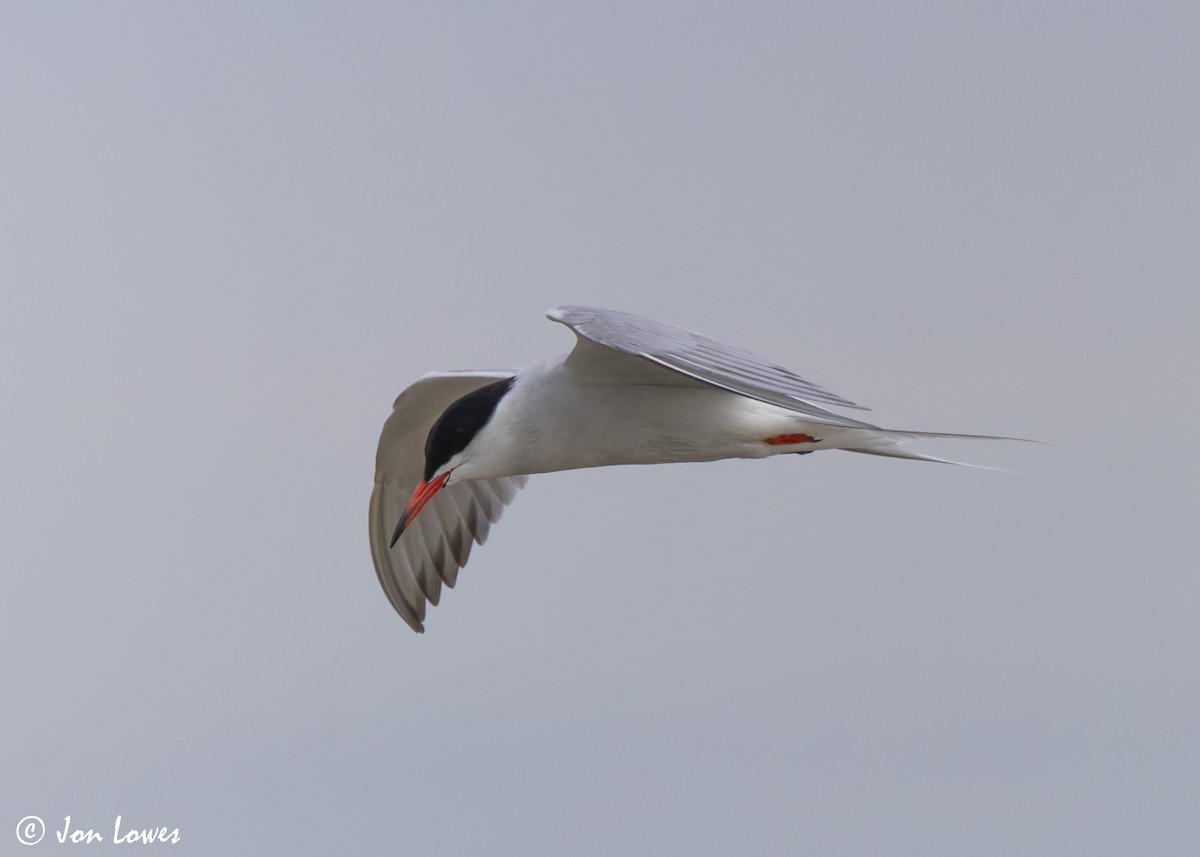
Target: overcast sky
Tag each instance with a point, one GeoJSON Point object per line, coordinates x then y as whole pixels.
{"type": "Point", "coordinates": [234, 232]}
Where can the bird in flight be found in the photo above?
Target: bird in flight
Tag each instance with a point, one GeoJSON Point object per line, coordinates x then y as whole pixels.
{"type": "Point", "coordinates": [459, 445]}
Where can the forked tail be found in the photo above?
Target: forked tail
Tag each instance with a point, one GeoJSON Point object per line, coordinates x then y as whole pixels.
{"type": "Point", "coordinates": [887, 442]}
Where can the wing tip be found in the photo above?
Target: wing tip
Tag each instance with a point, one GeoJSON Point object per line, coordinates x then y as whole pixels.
{"type": "Point", "coordinates": [412, 622]}
{"type": "Point", "coordinates": [573, 315]}
{"type": "Point", "coordinates": [569, 315]}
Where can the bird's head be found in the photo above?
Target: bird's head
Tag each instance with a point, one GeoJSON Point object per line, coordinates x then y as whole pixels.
{"type": "Point", "coordinates": [449, 444]}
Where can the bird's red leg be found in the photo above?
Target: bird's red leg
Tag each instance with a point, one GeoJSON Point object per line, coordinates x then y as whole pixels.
{"type": "Point", "coordinates": [784, 439]}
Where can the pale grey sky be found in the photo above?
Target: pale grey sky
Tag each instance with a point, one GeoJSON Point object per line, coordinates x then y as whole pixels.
{"type": "Point", "coordinates": [234, 232]}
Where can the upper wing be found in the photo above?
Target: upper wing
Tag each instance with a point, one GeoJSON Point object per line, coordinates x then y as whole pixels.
{"type": "Point", "coordinates": [703, 359]}
{"type": "Point", "coordinates": [438, 541]}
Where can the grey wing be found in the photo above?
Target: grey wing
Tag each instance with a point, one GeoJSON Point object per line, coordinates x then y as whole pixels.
{"type": "Point", "coordinates": [704, 359]}
{"type": "Point", "coordinates": [439, 540]}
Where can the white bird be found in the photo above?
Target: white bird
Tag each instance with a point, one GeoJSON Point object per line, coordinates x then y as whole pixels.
{"type": "Point", "coordinates": [459, 445]}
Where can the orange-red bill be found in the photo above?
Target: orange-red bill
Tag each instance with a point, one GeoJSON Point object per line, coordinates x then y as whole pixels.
{"type": "Point", "coordinates": [420, 497]}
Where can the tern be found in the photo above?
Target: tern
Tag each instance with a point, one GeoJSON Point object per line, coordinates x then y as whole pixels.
{"type": "Point", "coordinates": [459, 445]}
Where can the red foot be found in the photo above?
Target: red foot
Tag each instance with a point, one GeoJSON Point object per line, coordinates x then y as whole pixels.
{"type": "Point", "coordinates": [782, 439]}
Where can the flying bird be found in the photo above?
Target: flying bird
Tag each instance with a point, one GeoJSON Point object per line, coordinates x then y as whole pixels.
{"type": "Point", "coordinates": [459, 445]}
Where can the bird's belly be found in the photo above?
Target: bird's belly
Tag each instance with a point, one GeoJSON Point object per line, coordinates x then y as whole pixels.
{"type": "Point", "coordinates": [596, 426]}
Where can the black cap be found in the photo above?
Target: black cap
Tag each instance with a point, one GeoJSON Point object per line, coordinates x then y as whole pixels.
{"type": "Point", "coordinates": [459, 423]}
